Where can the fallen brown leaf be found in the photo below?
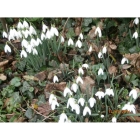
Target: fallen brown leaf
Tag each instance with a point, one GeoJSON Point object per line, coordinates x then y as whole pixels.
{"type": "Point", "coordinates": [3, 77]}
{"type": "Point", "coordinates": [41, 75]}
{"type": "Point", "coordinates": [28, 78]}
{"type": "Point", "coordinates": [112, 70]}
{"type": "Point", "coordinates": [4, 63]}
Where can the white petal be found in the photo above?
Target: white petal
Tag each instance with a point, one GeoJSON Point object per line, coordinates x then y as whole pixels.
{"type": "Point", "coordinates": [7, 48]}
{"type": "Point", "coordinates": [100, 71]}
{"type": "Point", "coordinates": [74, 87]}
{"type": "Point", "coordinates": [79, 79]}
{"type": "Point", "coordinates": [55, 79]}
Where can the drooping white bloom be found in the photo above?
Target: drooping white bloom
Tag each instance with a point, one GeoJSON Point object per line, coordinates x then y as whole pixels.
{"type": "Point", "coordinates": [4, 34]}
{"type": "Point", "coordinates": [133, 92]}
{"type": "Point", "coordinates": [68, 121]}
{"type": "Point", "coordinates": [43, 36]}
{"type": "Point", "coordinates": [129, 107]}
{"type": "Point", "coordinates": [104, 50]}
{"type": "Point", "coordinates": [62, 39]}
{"type": "Point", "coordinates": [81, 101]}
{"type": "Point", "coordinates": [19, 35]}
{"type": "Point", "coordinates": [67, 91]}
{"type": "Point", "coordinates": [51, 98]}
{"type": "Point", "coordinates": [91, 101]}
{"type": "Point", "coordinates": [114, 120]}
{"type": "Point", "coordinates": [136, 21]}
{"type": "Point", "coordinates": [100, 94]}
{"type": "Point", "coordinates": [86, 110]}
{"type": "Point", "coordinates": [102, 116]}
{"type": "Point", "coordinates": [71, 103]}
{"type": "Point", "coordinates": [11, 34]}
{"type": "Point", "coordinates": [99, 31]}
{"type": "Point", "coordinates": [24, 43]}
{"type": "Point", "coordinates": [54, 104]}
{"type": "Point", "coordinates": [26, 33]}
{"type": "Point", "coordinates": [38, 41]}
{"type": "Point", "coordinates": [32, 30]}
{"type": "Point", "coordinates": [100, 55]}
{"type": "Point", "coordinates": [54, 31]}
{"type": "Point", "coordinates": [85, 66]}
{"type": "Point", "coordinates": [74, 87]}
{"type": "Point", "coordinates": [20, 26]}
{"type": "Point", "coordinates": [135, 35]}
{"type": "Point", "coordinates": [80, 71]}
{"type": "Point", "coordinates": [100, 71]}
{"type": "Point", "coordinates": [81, 36]}
{"type": "Point", "coordinates": [44, 27]}
{"type": "Point", "coordinates": [78, 44]}
{"type": "Point", "coordinates": [55, 79]}
{"type": "Point", "coordinates": [109, 92]}
{"type": "Point", "coordinates": [90, 49]}
{"type": "Point", "coordinates": [33, 42]}
{"type": "Point", "coordinates": [63, 118]}
{"type": "Point", "coordinates": [7, 48]}
{"type": "Point", "coordinates": [35, 51]}
{"type": "Point", "coordinates": [70, 42]}
{"type": "Point", "coordinates": [79, 79]}
{"type": "Point", "coordinates": [48, 34]}
{"type": "Point", "coordinates": [25, 24]}
{"type": "Point", "coordinates": [124, 60]}
{"type": "Point", "coordinates": [10, 37]}
{"type": "Point", "coordinates": [23, 53]}
{"type": "Point", "coordinates": [77, 108]}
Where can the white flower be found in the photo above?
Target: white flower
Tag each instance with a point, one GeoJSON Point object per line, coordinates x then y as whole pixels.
{"type": "Point", "coordinates": [85, 66]}
{"type": "Point", "coordinates": [55, 79]}
{"type": "Point", "coordinates": [129, 107]}
{"type": "Point", "coordinates": [11, 34]}
{"type": "Point", "coordinates": [23, 53]}
{"type": "Point", "coordinates": [7, 48]}
{"type": "Point", "coordinates": [78, 44]}
{"type": "Point", "coordinates": [135, 35]}
{"type": "Point", "coordinates": [102, 116]}
{"type": "Point", "coordinates": [86, 110]}
{"type": "Point", "coordinates": [79, 79]}
{"type": "Point", "coordinates": [51, 98]}
{"type": "Point", "coordinates": [81, 101]}
{"type": "Point", "coordinates": [68, 121]}
{"type": "Point", "coordinates": [136, 21]}
{"type": "Point", "coordinates": [66, 91]}
{"type": "Point", "coordinates": [29, 48]}
{"type": "Point", "coordinates": [24, 43]}
{"type": "Point", "coordinates": [71, 103]}
{"type": "Point", "coordinates": [114, 120]}
{"type": "Point", "coordinates": [62, 39]}
{"type": "Point", "coordinates": [20, 26]}
{"type": "Point", "coordinates": [99, 31]}
{"type": "Point", "coordinates": [38, 41]}
{"type": "Point", "coordinates": [133, 92]}
{"type": "Point", "coordinates": [109, 92]}
{"type": "Point", "coordinates": [92, 101]}
{"type": "Point", "coordinates": [25, 24]}
{"type": "Point", "coordinates": [104, 50]}
{"type": "Point", "coordinates": [70, 42]}
{"type": "Point", "coordinates": [90, 49]}
{"type": "Point", "coordinates": [48, 34]}
{"type": "Point", "coordinates": [100, 71]}
{"type": "Point", "coordinates": [74, 87]}
{"type": "Point", "coordinates": [32, 30]}
{"type": "Point", "coordinates": [19, 35]}
{"type": "Point", "coordinates": [81, 36]}
{"type": "Point", "coordinates": [54, 104]}
{"type": "Point", "coordinates": [80, 71]}
{"type": "Point", "coordinates": [63, 118]}
{"type": "Point", "coordinates": [100, 94]}
{"type": "Point", "coordinates": [100, 55]}
{"type": "Point", "coordinates": [44, 27]}
{"type": "Point", "coordinates": [54, 31]}
{"type": "Point", "coordinates": [10, 37]}
{"type": "Point", "coordinates": [43, 36]}
{"type": "Point", "coordinates": [124, 60]}
{"type": "Point", "coordinates": [26, 33]}
{"type": "Point", "coordinates": [4, 34]}
{"type": "Point", "coordinates": [35, 51]}
{"type": "Point", "coordinates": [33, 42]}
{"type": "Point", "coordinates": [77, 108]}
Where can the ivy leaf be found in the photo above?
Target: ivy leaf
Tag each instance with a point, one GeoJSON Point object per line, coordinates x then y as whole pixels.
{"type": "Point", "coordinates": [87, 21]}
{"type": "Point", "coordinates": [29, 113]}
{"type": "Point", "coordinates": [15, 82]}
{"type": "Point", "coordinates": [41, 99]}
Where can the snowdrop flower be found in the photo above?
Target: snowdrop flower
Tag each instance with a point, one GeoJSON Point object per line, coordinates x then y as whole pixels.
{"type": "Point", "coordinates": [100, 71]}
{"type": "Point", "coordinates": [29, 48]}
{"type": "Point", "coordinates": [20, 26]}
{"type": "Point", "coordinates": [85, 66]}
{"type": "Point", "coordinates": [66, 91]}
{"type": "Point", "coordinates": [100, 94]}
{"type": "Point", "coordinates": [124, 60]}
{"type": "Point", "coordinates": [129, 107]}
{"type": "Point", "coordinates": [86, 110]}
{"type": "Point", "coordinates": [54, 31]}
{"type": "Point", "coordinates": [136, 21]}
{"type": "Point", "coordinates": [81, 36]}
{"type": "Point", "coordinates": [55, 79]}
{"type": "Point", "coordinates": [135, 35]}
{"type": "Point", "coordinates": [114, 120]}
{"type": "Point", "coordinates": [25, 24]}
{"type": "Point", "coordinates": [48, 34]}
{"type": "Point", "coordinates": [43, 36]}
{"type": "Point", "coordinates": [90, 49]}
{"type": "Point", "coordinates": [11, 34]}
{"type": "Point", "coordinates": [44, 27]}
{"type": "Point", "coordinates": [80, 71]}
{"type": "Point", "coordinates": [32, 30]}
{"type": "Point", "coordinates": [109, 92]}
{"type": "Point", "coordinates": [104, 50]}
{"type": "Point", "coordinates": [74, 87]}
{"type": "Point", "coordinates": [78, 44]}
{"type": "Point", "coordinates": [100, 55]}
{"type": "Point", "coordinates": [99, 31]}
{"type": "Point", "coordinates": [24, 43]}
{"type": "Point", "coordinates": [71, 103]}
{"type": "Point", "coordinates": [10, 37]}
{"type": "Point", "coordinates": [19, 35]}
{"type": "Point", "coordinates": [4, 34]}
{"type": "Point", "coordinates": [79, 79]}
{"type": "Point", "coordinates": [23, 53]}
{"type": "Point", "coordinates": [51, 98]}
{"type": "Point", "coordinates": [33, 42]}
{"type": "Point", "coordinates": [133, 92]}
{"type": "Point", "coordinates": [81, 101]}
{"type": "Point", "coordinates": [35, 51]}
{"type": "Point", "coordinates": [77, 109]}
{"type": "Point", "coordinates": [54, 104]}
{"type": "Point", "coordinates": [68, 121]}
{"type": "Point", "coordinates": [7, 48]}
{"type": "Point", "coordinates": [62, 39]}
{"type": "Point", "coordinates": [70, 42]}
{"type": "Point", "coordinates": [38, 41]}
{"type": "Point", "coordinates": [63, 118]}
{"type": "Point", "coordinates": [91, 101]}
{"type": "Point", "coordinates": [102, 116]}
{"type": "Point", "coordinates": [26, 33]}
